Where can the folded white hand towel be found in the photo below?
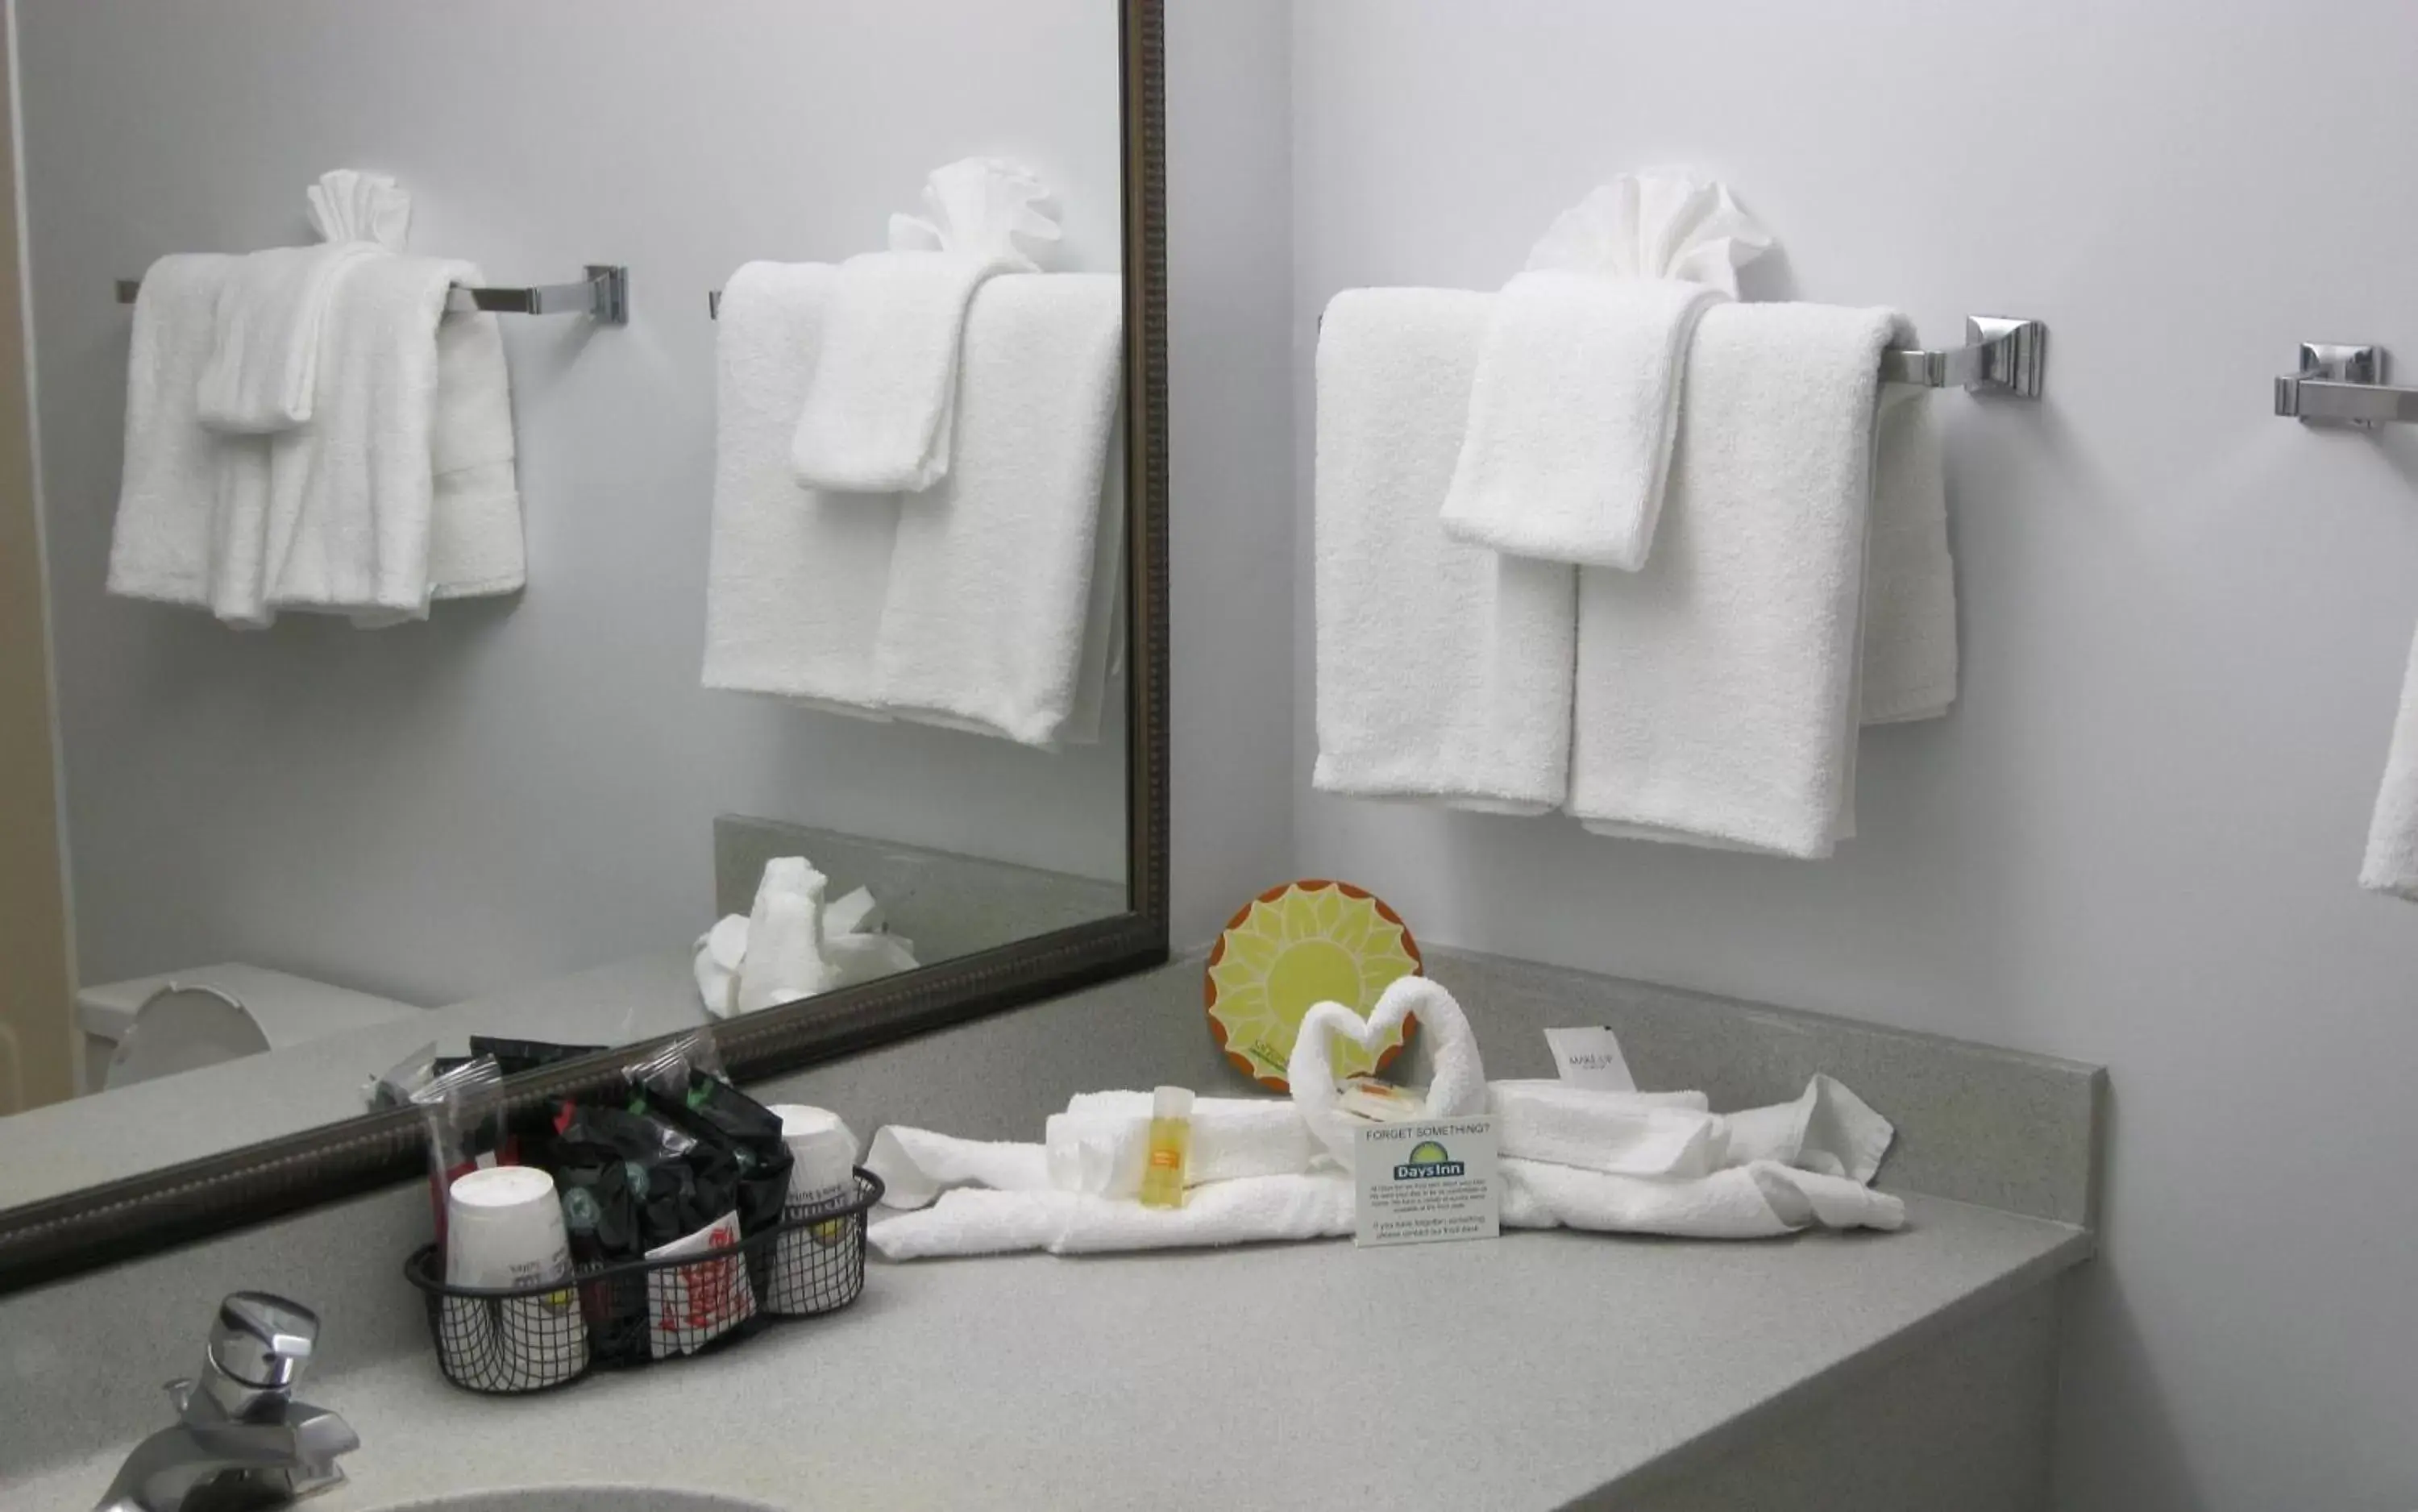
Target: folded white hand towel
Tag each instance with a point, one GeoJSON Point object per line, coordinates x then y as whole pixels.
{"type": "Point", "coordinates": [1629, 1134]}
{"type": "Point", "coordinates": [990, 582]}
{"type": "Point", "coordinates": [2390, 864]}
{"type": "Point", "coordinates": [1910, 640]}
{"type": "Point", "coordinates": [162, 544]}
{"type": "Point", "coordinates": [785, 937]}
{"type": "Point", "coordinates": [1458, 1087]}
{"type": "Point", "coordinates": [1444, 669]}
{"type": "Point", "coordinates": [262, 377]}
{"type": "Point", "coordinates": [975, 1222]}
{"type": "Point", "coordinates": [476, 545]}
{"type": "Point", "coordinates": [1828, 1129]}
{"type": "Point", "coordinates": [1761, 1201]}
{"type": "Point", "coordinates": [880, 415]}
{"type": "Point", "coordinates": [795, 578]}
{"type": "Point", "coordinates": [1716, 688]}
{"type": "Point", "coordinates": [917, 1165]}
{"type": "Point", "coordinates": [1231, 1137]}
{"type": "Point", "coordinates": [1571, 417]}
{"type": "Point", "coordinates": [350, 508]}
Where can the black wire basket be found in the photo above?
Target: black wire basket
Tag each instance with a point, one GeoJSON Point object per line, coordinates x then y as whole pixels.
{"type": "Point", "coordinates": [507, 1342]}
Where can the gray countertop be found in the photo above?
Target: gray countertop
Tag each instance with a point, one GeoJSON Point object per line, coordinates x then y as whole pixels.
{"type": "Point", "coordinates": [1533, 1369]}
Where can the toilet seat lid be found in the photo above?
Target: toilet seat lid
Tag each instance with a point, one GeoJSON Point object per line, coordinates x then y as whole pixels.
{"type": "Point", "coordinates": [183, 1028]}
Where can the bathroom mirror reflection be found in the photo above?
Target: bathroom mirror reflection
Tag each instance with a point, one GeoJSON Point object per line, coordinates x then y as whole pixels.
{"type": "Point", "coordinates": [738, 619]}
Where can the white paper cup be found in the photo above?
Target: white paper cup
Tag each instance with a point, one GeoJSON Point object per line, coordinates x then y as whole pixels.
{"type": "Point", "coordinates": [503, 1229]}
{"type": "Point", "coordinates": [824, 1152]}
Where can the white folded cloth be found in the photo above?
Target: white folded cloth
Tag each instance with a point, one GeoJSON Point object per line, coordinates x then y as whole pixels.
{"type": "Point", "coordinates": [1828, 1129]}
{"type": "Point", "coordinates": [160, 547]}
{"type": "Point", "coordinates": [1629, 1134]}
{"type": "Point", "coordinates": [1572, 414]}
{"type": "Point", "coordinates": [1457, 1088]}
{"type": "Point", "coordinates": [1909, 638]}
{"type": "Point", "coordinates": [1098, 1145]}
{"type": "Point", "coordinates": [476, 545]}
{"type": "Point", "coordinates": [795, 577]}
{"type": "Point", "coordinates": [262, 377]}
{"type": "Point", "coordinates": [880, 414]}
{"type": "Point", "coordinates": [986, 624]}
{"type": "Point", "coordinates": [917, 1165]}
{"type": "Point", "coordinates": [1716, 688]}
{"type": "Point", "coordinates": [1760, 1200]}
{"type": "Point", "coordinates": [1444, 669]}
{"type": "Point", "coordinates": [979, 1222]}
{"type": "Point", "coordinates": [1104, 615]}
{"type": "Point", "coordinates": [783, 961]}
{"type": "Point", "coordinates": [2390, 864]}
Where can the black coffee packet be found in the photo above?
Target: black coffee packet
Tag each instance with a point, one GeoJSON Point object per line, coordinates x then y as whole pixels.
{"type": "Point", "coordinates": [722, 1117]}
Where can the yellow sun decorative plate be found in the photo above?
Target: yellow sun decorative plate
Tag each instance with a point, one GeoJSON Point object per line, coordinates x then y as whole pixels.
{"type": "Point", "coordinates": [1305, 942]}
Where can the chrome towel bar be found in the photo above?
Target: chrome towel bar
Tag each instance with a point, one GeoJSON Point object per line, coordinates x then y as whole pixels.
{"type": "Point", "coordinates": [603, 295]}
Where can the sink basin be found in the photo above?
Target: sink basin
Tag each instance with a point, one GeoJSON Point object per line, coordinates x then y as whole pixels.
{"type": "Point", "coordinates": [584, 1499]}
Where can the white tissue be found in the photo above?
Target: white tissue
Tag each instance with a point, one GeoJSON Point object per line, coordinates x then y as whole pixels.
{"type": "Point", "coordinates": [980, 205]}
{"type": "Point", "coordinates": [347, 204]}
{"type": "Point", "coordinates": [1663, 222]}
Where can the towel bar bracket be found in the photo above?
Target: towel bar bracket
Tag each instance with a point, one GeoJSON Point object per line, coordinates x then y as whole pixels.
{"type": "Point", "coordinates": [2000, 355]}
{"type": "Point", "coordinates": [2340, 385]}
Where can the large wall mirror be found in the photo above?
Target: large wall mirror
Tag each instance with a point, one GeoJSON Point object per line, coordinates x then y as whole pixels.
{"type": "Point", "coordinates": [761, 625]}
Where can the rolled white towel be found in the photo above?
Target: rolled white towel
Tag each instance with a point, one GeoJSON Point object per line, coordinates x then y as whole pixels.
{"type": "Point", "coordinates": [917, 1165]}
{"type": "Point", "coordinates": [1760, 1200]}
{"type": "Point", "coordinates": [1099, 1143]}
{"type": "Point", "coordinates": [1624, 1133]}
{"type": "Point", "coordinates": [1826, 1129]}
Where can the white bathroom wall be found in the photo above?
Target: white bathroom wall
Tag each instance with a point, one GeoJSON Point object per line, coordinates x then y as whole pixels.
{"type": "Point", "coordinates": [2135, 839]}
{"type": "Point", "coordinates": [517, 787]}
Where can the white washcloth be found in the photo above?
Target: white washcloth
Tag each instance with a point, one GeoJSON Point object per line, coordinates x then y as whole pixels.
{"type": "Point", "coordinates": [880, 414]}
{"type": "Point", "coordinates": [1716, 688]}
{"type": "Point", "coordinates": [161, 544]}
{"type": "Point", "coordinates": [1761, 1201]}
{"type": "Point", "coordinates": [1099, 1143]}
{"type": "Point", "coordinates": [984, 627]}
{"type": "Point", "coordinates": [1910, 640]}
{"type": "Point", "coordinates": [1828, 1129]}
{"type": "Point", "coordinates": [1444, 669]}
{"type": "Point", "coordinates": [1571, 417]}
{"type": "Point", "coordinates": [2392, 862]}
{"type": "Point", "coordinates": [796, 578]}
{"type": "Point", "coordinates": [262, 377]}
{"type": "Point", "coordinates": [783, 960]}
{"type": "Point", "coordinates": [1629, 1134]}
{"type": "Point", "coordinates": [1458, 1087]}
{"type": "Point", "coordinates": [917, 1165]}
{"type": "Point", "coordinates": [476, 546]}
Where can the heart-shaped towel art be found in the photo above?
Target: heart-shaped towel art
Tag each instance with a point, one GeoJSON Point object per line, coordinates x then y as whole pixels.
{"type": "Point", "coordinates": [1460, 1086]}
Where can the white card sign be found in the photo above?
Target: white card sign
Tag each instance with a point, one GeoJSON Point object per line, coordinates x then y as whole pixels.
{"type": "Point", "coordinates": [1422, 1183]}
{"type": "Point", "coordinates": [1590, 1058]}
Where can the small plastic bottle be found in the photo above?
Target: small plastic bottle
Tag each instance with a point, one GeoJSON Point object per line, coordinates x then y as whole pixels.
{"type": "Point", "coordinates": [1171, 1146]}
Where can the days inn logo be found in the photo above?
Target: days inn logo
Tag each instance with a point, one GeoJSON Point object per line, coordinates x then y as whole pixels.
{"type": "Point", "coordinates": [1429, 1158]}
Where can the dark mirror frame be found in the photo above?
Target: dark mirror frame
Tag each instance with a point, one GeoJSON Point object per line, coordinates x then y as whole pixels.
{"type": "Point", "coordinates": [102, 1225]}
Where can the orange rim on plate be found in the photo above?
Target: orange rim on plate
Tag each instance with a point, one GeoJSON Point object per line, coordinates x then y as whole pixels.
{"type": "Point", "coordinates": [1306, 942]}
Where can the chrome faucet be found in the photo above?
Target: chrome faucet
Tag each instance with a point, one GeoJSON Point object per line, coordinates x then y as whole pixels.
{"type": "Point", "coordinates": [241, 1439]}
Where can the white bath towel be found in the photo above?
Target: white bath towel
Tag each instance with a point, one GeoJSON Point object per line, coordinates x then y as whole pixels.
{"type": "Point", "coordinates": [1716, 688]}
{"type": "Point", "coordinates": [990, 582]}
{"type": "Point", "coordinates": [1104, 617]}
{"type": "Point", "coordinates": [1444, 669]}
{"type": "Point", "coordinates": [796, 577]}
{"type": "Point", "coordinates": [160, 547]}
{"type": "Point", "coordinates": [1909, 639]}
{"type": "Point", "coordinates": [1629, 1134]}
{"type": "Point", "coordinates": [1109, 1132]}
{"type": "Point", "coordinates": [1572, 414]}
{"type": "Point", "coordinates": [1761, 1201]}
{"type": "Point", "coordinates": [262, 377]}
{"type": "Point", "coordinates": [2390, 864]}
{"type": "Point", "coordinates": [351, 497]}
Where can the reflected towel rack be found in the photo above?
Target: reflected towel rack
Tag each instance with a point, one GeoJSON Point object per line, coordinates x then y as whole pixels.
{"type": "Point", "coordinates": [2001, 354]}
{"type": "Point", "coordinates": [603, 295]}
